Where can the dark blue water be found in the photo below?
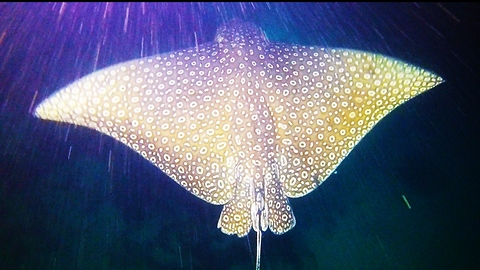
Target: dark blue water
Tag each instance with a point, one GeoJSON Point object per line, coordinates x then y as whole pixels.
{"type": "Point", "coordinates": [71, 198]}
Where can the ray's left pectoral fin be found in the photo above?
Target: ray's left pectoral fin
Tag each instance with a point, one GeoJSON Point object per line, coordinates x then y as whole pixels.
{"type": "Point", "coordinates": [346, 95]}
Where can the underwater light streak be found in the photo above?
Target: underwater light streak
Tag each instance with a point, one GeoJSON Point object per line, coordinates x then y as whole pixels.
{"type": "Point", "coordinates": [405, 200]}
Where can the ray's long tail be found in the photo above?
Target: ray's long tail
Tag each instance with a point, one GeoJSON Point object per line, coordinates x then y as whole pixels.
{"type": "Point", "coordinates": [259, 249]}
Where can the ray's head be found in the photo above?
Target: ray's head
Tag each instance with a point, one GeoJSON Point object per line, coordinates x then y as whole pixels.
{"type": "Point", "coordinates": [240, 32]}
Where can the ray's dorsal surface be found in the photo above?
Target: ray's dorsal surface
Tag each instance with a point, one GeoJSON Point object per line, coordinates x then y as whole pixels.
{"type": "Point", "coordinates": [242, 122]}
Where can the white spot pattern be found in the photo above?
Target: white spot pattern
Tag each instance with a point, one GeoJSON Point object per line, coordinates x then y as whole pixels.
{"type": "Point", "coordinates": [242, 121]}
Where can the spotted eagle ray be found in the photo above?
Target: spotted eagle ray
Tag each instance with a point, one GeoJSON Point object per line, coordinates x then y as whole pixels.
{"type": "Point", "coordinates": [241, 121]}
